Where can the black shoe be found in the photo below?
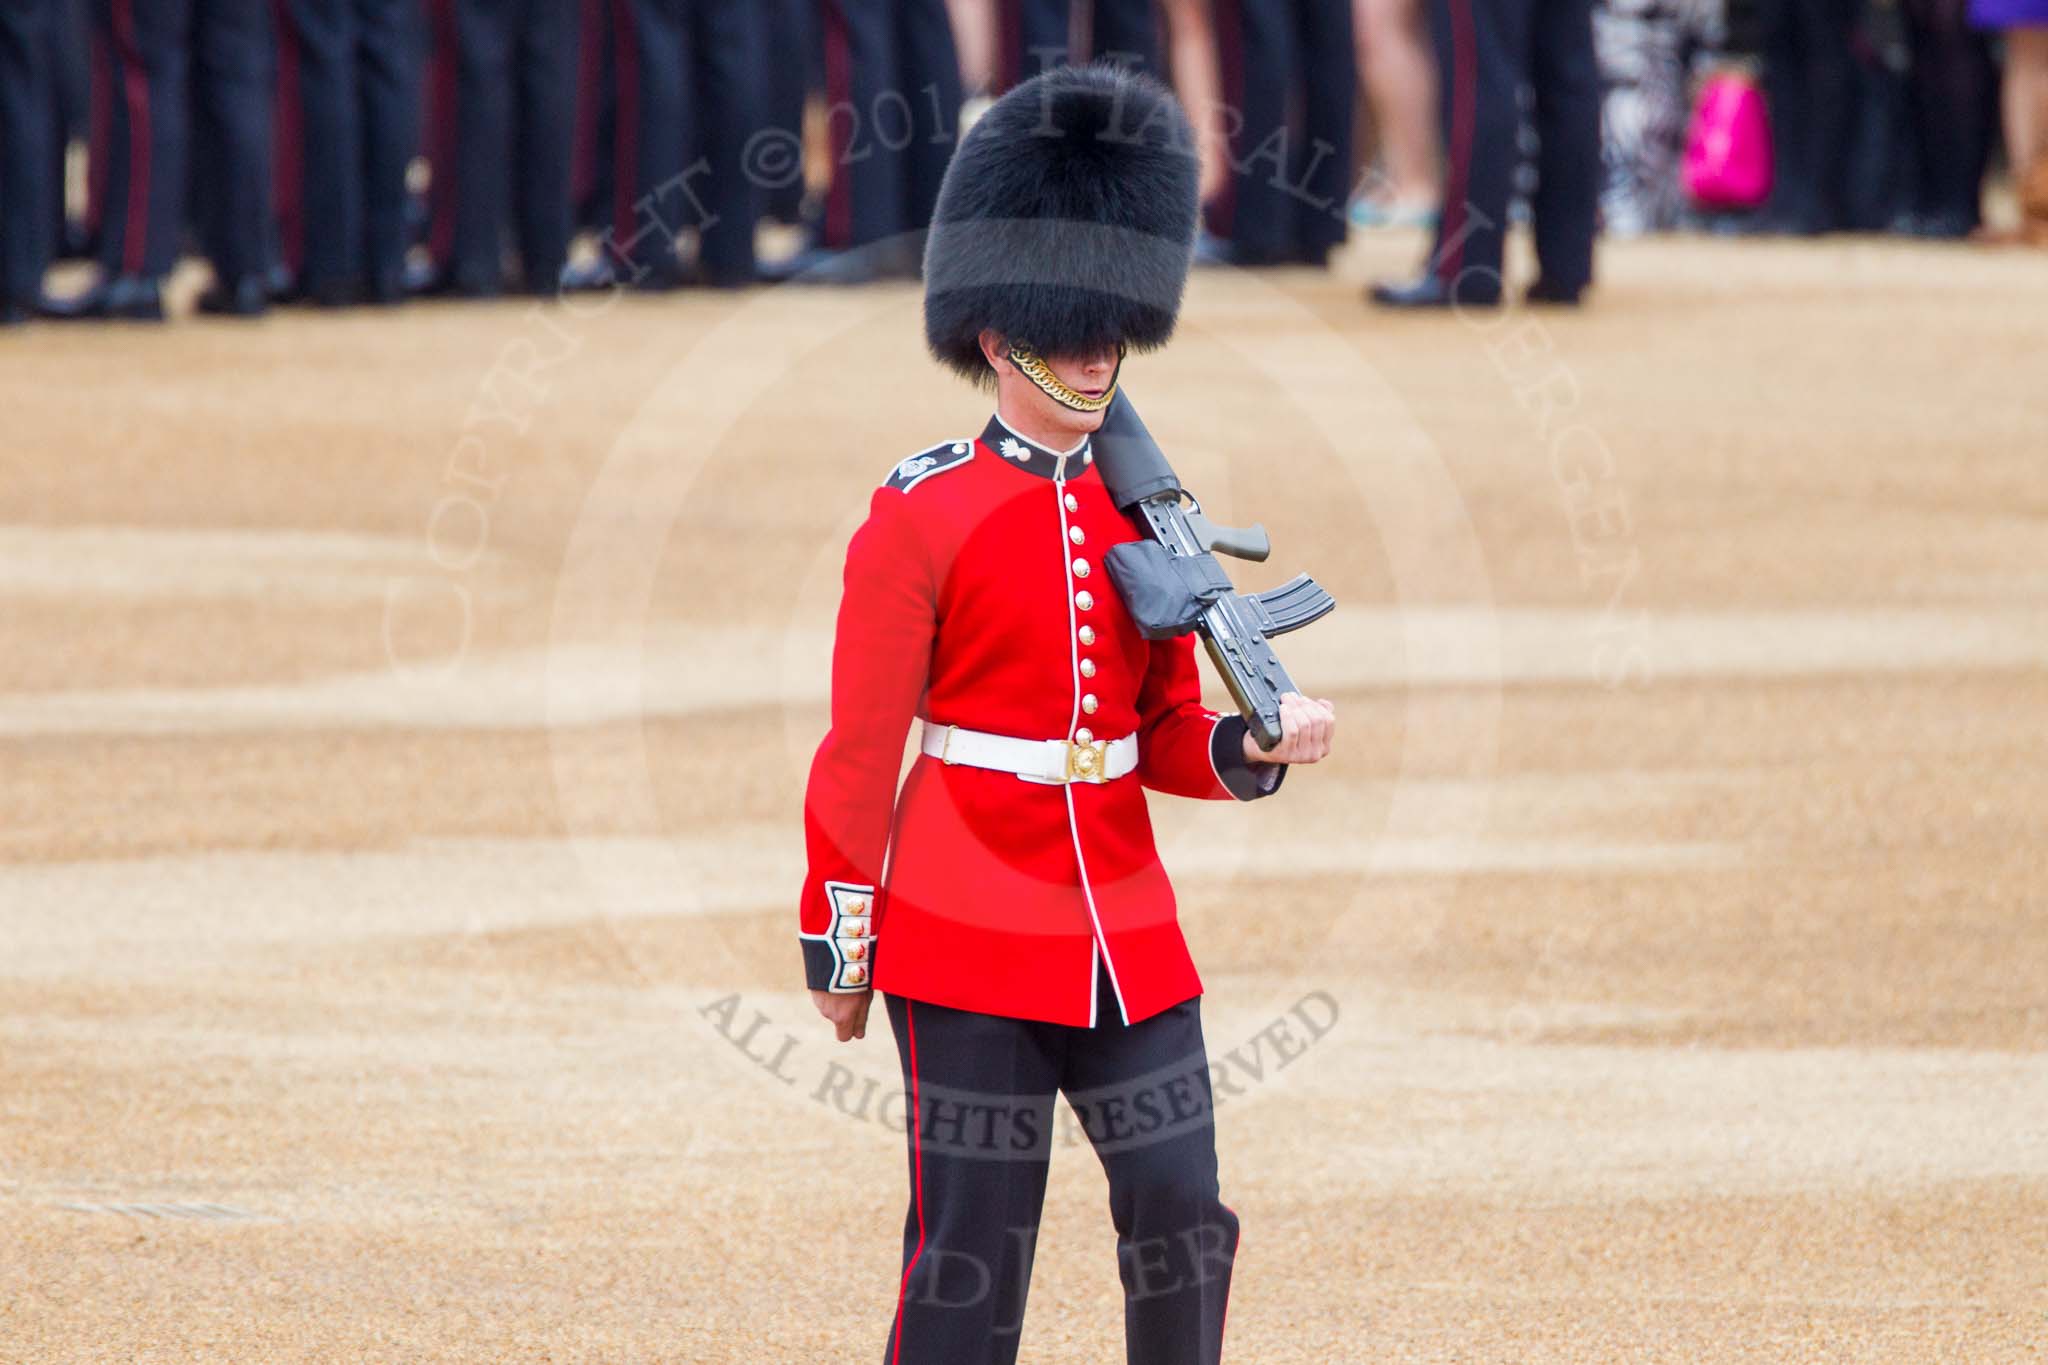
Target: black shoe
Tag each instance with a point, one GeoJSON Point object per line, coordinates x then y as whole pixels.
{"type": "Point", "coordinates": [13, 314]}
{"type": "Point", "coordinates": [854, 265]}
{"type": "Point", "coordinates": [1428, 292]}
{"type": "Point", "coordinates": [129, 298]}
{"type": "Point", "coordinates": [1213, 250]}
{"type": "Point", "coordinates": [1545, 294]}
{"type": "Point", "coordinates": [248, 297]}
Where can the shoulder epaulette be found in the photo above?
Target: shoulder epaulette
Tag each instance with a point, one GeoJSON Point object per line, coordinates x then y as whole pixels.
{"type": "Point", "coordinates": [909, 473]}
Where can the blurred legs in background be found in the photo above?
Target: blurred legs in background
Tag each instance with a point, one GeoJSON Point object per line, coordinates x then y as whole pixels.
{"type": "Point", "coordinates": [2026, 124]}
{"type": "Point", "coordinates": [789, 40]}
{"type": "Point", "coordinates": [643, 197]}
{"type": "Point", "coordinates": [1487, 50]}
{"type": "Point", "coordinates": [348, 72]}
{"type": "Point", "coordinates": [1399, 75]}
{"type": "Point", "coordinates": [1032, 35]}
{"type": "Point", "coordinates": [27, 187]}
{"type": "Point", "coordinates": [1198, 80]}
{"type": "Point", "coordinates": [234, 87]}
{"type": "Point", "coordinates": [1953, 88]}
{"type": "Point", "coordinates": [892, 116]}
{"type": "Point", "coordinates": [505, 84]}
{"type": "Point", "coordinates": [727, 60]}
{"type": "Point", "coordinates": [1809, 78]}
{"type": "Point", "coordinates": [140, 154]}
{"type": "Point", "coordinates": [1290, 74]}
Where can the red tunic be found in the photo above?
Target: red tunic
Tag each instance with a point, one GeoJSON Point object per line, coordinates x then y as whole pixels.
{"type": "Point", "coordinates": [975, 597]}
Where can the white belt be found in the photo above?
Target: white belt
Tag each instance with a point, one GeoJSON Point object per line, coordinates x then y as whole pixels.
{"type": "Point", "coordinates": [1056, 761]}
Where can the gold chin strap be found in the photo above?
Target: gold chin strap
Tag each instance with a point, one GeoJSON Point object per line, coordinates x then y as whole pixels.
{"type": "Point", "coordinates": [1033, 368]}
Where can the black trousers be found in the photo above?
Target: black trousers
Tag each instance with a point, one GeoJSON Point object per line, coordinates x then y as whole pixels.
{"type": "Point", "coordinates": [1290, 74]}
{"type": "Point", "coordinates": [1487, 50]}
{"type": "Point", "coordinates": [792, 70]}
{"type": "Point", "coordinates": [234, 93]}
{"type": "Point", "coordinates": [982, 1092]}
{"type": "Point", "coordinates": [71, 83]}
{"type": "Point", "coordinates": [1036, 34]}
{"type": "Point", "coordinates": [348, 77]}
{"type": "Point", "coordinates": [28, 190]}
{"type": "Point", "coordinates": [1809, 77]}
{"type": "Point", "coordinates": [685, 99]}
{"type": "Point", "coordinates": [504, 72]}
{"type": "Point", "coordinates": [892, 93]}
{"type": "Point", "coordinates": [1954, 88]}
{"type": "Point", "coordinates": [142, 161]}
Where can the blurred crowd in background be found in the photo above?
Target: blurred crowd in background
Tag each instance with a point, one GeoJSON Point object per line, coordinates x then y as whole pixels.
{"type": "Point", "coordinates": [339, 152]}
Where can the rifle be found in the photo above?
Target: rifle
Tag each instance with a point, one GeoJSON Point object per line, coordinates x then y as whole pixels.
{"type": "Point", "coordinates": [1171, 582]}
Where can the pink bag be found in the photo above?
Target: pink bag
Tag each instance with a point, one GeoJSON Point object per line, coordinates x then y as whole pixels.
{"type": "Point", "coordinates": [1728, 147]}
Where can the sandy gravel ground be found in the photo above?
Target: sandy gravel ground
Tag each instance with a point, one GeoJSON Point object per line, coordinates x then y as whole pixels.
{"type": "Point", "coordinates": [403, 721]}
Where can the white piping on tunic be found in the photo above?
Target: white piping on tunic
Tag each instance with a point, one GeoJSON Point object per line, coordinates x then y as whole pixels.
{"type": "Point", "coordinates": [1100, 942]}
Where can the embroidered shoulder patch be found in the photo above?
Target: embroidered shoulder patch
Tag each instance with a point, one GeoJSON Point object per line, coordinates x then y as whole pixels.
{"type": "Point", "coordinates": [909, 473]}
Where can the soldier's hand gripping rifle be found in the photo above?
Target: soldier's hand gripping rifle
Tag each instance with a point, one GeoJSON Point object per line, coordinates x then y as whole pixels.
{"type": "Point", "coordinates": [1171, 583]}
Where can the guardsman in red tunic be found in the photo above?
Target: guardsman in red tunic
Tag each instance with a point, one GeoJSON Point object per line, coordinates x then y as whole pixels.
{"type": "Point", "coordinates": [1009, 901]}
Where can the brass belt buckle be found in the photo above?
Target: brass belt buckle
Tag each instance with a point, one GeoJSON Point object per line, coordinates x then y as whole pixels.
{"type": "Point", "coordinates": [1088, 762]}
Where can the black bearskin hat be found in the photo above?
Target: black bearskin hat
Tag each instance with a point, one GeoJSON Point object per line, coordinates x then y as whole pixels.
{"type": "Point", "coordinates": [1066, 221]}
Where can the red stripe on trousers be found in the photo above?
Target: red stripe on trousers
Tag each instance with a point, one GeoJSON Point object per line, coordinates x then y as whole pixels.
{"type": "Point", "coordinates": [135, 94]}
{"type": "Point", "coordinates": [441, 227]}
{"type": "Point", "coordinates": [838, 94]}
{"type": "Point", "coordinates": [289, 164]}
{"type": "Point", "coordinates": [1010, 57]}
{"type": "Point", "coordinates": [917, 1187]}
{"type": "Point", "coordinates": [1464, 114]}
{"type": "Point", "coordinates": [625, 125]}
{"type": "Point", "coordinates": [840, 136]}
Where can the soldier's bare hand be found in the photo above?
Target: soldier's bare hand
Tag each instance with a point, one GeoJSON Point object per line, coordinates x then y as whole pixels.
{"type": "Point", "coordinates": [847, 1011]}
{"type": "Point", "coordinates": [1306, 729]}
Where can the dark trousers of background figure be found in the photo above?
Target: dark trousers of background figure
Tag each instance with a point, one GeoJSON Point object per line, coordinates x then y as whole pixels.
{"type": "Point", "coordinates": [1809, 85]}
{"type": "Point", "coordinates": [681, 106]}
{"type": "Point", "coordinates": [983, 1090]}
{"type": "Point", "coordinates": [1487, 50]}
{"type": "Point", "coordinates": [1032, 35]}
{"type": "Point", "coordinates": [143, 57]}
{"type": "Point", "coordinates": [1290, 82]}
{"type": "Point", "coordinates": [27, 111]}
{"type": "Point", "coordinates": [503, 82]}
{"type": "Point", "coordinates": [70, 66]}
{"type": "Point", "coordinates": [892, 92]}
{"type": "Point", "coordinates": [348, 124]}
{"type": "Point", "coordinates": [234, 104]}
{"type": "Point", "coordinates": [794, 68]}
{"type": "Point", "coordinates": [1954, 92]}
